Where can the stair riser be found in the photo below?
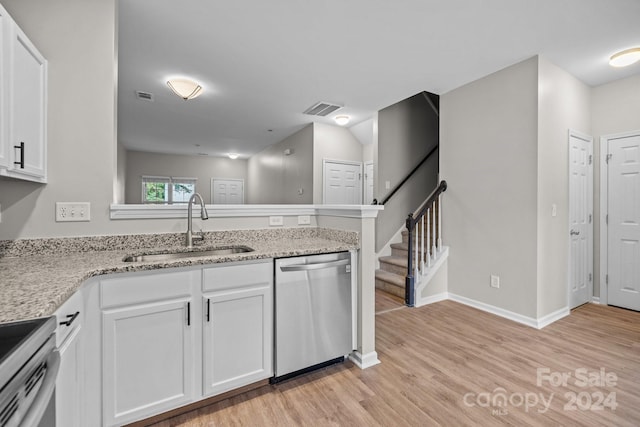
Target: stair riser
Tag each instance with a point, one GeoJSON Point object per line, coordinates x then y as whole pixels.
{"type": "Point", "coordinates": [392, 268]}
{"type": "Point", "coordinates": [400, 252]}
{"type": "Point", "coordinates": [390, 288]}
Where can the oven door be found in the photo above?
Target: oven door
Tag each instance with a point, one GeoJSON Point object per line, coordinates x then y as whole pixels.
{"type": "Point", "coordinates": [27, 396]}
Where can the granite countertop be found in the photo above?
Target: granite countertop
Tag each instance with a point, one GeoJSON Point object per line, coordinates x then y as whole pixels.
{"type": "Point", "coordinates": [38, 275]}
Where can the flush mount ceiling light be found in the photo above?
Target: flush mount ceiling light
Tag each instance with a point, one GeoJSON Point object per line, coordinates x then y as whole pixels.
{"type": "Point", "coordinates": [625, 57]}
{"type": "Point", "coordinates": [342, 120]}
{"type": "Point", "coordinates": [185, 88]}
{"type": "Point", "coordinates": [233, 156]}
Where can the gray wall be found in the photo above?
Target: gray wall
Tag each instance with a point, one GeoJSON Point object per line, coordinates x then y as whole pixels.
{"type": "Point", "coordinates": [406, 132]}
{"type": "Point", "coordinates": [275, 178]}
{"type": "Point", "coordinates": [563, 103]}
{"type": "Point", "coordinates": [505, 157]}
{"type": "Point", "coordinates": [333, 143]}
{"type": "Point", "coordinates": [489, 158]}
{"type": "Point", "coordinates": [203, 168]}
{"type": "Point", "coordinates": [78, 39]}
{"type": "Point", "coordinates": [615, 108]}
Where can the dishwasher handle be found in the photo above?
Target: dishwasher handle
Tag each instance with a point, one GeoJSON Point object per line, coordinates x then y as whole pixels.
{"type": "Point", "coordinates": [315, 266]}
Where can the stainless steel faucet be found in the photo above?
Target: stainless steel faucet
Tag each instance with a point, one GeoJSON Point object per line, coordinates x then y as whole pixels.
{"type": "Point", "coordinates": [203, 215]}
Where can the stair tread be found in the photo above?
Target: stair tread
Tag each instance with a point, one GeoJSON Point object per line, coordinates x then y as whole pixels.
{"type": "Point", "coordinates": [392, 278]}
{"type": "Point", "coordinates": [403, 246]}
{"type": "Point", "coordinates": [395, 260]}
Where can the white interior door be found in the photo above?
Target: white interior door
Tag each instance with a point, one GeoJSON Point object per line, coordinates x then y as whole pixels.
{"type": "Point", "coordinates": [342, 182]}
{"type": "Point", "coordinates": [623, 158]}
{"type": "Point", "coordinates": [368, 183]}
{"type": "Point", "coordinates": [580, 218]}
{"type": "Point", "coordinates": [227, 191]}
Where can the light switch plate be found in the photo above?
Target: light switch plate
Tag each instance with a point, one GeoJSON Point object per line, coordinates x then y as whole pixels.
{"type": "Point", "coordinates": [73, 211]}
{"type": "Point", "coordinates": [275, 221]}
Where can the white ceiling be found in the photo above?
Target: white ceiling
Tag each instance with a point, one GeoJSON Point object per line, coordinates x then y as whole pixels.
{"type": "Point", "coordinates": [262, 63]}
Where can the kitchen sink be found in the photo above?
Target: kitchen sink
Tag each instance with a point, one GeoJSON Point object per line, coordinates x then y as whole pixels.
{"type": "Point", "coordinates": [226, 250]}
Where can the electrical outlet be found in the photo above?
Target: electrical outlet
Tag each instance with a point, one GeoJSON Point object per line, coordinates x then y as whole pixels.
{"type": "Point", "coordinates": [276, 221]}
{"type": "Point", "coordinates": [73, 211]}
{"type": "Point", "coordinates": [304, 220]}
{"type": "Point", "coordinates": [495, 281]}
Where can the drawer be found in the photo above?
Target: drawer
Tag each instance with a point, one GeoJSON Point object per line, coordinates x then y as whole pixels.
{"type": "Point", "coordinates": [147, 287]}
{"type": "Point", "coordinates": [239, 275]}
{"type": "Point", "coordinates": [69, 317]}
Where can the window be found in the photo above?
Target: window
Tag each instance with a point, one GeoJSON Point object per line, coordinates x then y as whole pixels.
{"type": "Point", "coordinates": [167, 190]}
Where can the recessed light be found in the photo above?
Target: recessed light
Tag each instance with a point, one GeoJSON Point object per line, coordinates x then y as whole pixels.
{"type": "Point", "coordinates": [342, 120]}
{"type": "Point", "coordinates": [625, 57]}
{"type": "Point", "coordinates": [233, 156]}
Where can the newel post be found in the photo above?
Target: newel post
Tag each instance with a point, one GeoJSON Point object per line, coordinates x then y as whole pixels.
{"type": "Point", "coordinates": [409, 294]}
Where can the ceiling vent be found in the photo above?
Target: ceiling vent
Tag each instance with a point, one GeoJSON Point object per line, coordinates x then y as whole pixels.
{"type": "Point", "coordinates": [322, 109]}
{"type": "Point", "coordinates": [145, 96]}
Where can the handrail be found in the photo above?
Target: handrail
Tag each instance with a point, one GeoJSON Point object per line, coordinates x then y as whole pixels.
{"type": "Point", "coordinates": [406, 178]}
{"type": "Point", "coordinates": [411, 224]}
{"type": "Point", "coordinates": [441, 188]}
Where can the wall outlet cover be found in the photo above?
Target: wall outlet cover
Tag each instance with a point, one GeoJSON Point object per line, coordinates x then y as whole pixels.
{"type": "Point", "coordinates": [304, 220]}
{"type": "Point", "coordinates": [73, 211]}
{"type": "Point", "coordinates": [275, 221]}
{"type": "Point", "coordinates": [495, 281]}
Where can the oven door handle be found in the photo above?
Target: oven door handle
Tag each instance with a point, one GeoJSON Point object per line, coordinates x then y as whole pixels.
{"type": "Point", "coordinates": [40, 403]}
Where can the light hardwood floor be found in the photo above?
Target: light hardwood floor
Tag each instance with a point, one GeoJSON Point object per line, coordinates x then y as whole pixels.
{"type": "Point", "coordinates": [434, 356]}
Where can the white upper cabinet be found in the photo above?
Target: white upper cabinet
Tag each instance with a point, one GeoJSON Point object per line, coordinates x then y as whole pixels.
{"type": "Point", "coordinates": [23, 110]}
{"type": "Point", "coordinates": [5, 25]}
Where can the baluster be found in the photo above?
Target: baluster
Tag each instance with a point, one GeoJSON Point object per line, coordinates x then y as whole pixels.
{"type": "Point", "coordinates": [416, 255]}
{"type": "Point", "coordinates": [428, 237]}
{"type": "Point", "coordinates": [422, 244]}
{"type": "Point", "coordinates": [440, 221]}
{"type": "Point", "coordinates": [433, 231]}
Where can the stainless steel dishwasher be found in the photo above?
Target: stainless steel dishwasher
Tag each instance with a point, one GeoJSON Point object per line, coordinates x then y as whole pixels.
{"type": "Point", "coordinates": [314, 312]}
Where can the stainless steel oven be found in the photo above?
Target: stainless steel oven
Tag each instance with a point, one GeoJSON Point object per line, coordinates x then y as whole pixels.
{"type": "Point", "coordinates": [29, 365]}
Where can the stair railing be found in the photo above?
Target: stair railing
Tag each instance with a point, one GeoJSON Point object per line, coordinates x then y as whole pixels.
{"type": "Point", "coordinates": [406, 178]}
{"type": "Point", "coordinates": [425, 245]}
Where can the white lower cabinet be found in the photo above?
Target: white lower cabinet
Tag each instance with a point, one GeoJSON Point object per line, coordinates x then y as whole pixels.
{"type": "Point", "coordinates": [164, 330]}
{"type": "Point", "coordinates": [148, 339]}
{"type": "Point", "coordinates": [238, 326]}
{"type": "Point", "coordinates": [70, 343]}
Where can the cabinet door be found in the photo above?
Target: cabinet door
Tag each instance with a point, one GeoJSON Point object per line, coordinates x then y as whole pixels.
{"type": "Point", "coordinates": [69, 390]}
{"type": "Point", "coordinates": [70, 380]}
{"type": "Point", "coordinates": [27, 112]}
{"type": "Point", "coordinates": [5, 22]}
{"type": "Point", "coordinates": [238, 334]}
{"type": "Point", "coordinates": [148, 360]}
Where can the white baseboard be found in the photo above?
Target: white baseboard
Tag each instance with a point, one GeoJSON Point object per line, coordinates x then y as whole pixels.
{"type": "Point", "coordinates": [552, 317]}
{"type": "Point", "coordinates": [424, 280]}
{"type": "Point", "coordinates": [364, 361]}
{"type": "Point", "coordinates": [432, 299]}
{"type": "Point", "coordinates": [525, 320]}
{"type": "Point", "coordinates": [595, 300]}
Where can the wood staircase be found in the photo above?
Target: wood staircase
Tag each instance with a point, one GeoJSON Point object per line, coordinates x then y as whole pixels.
{"type": "Point", "coordinates": [407, 271]}
{"type": "Point", "coordinates": [391, 276]}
